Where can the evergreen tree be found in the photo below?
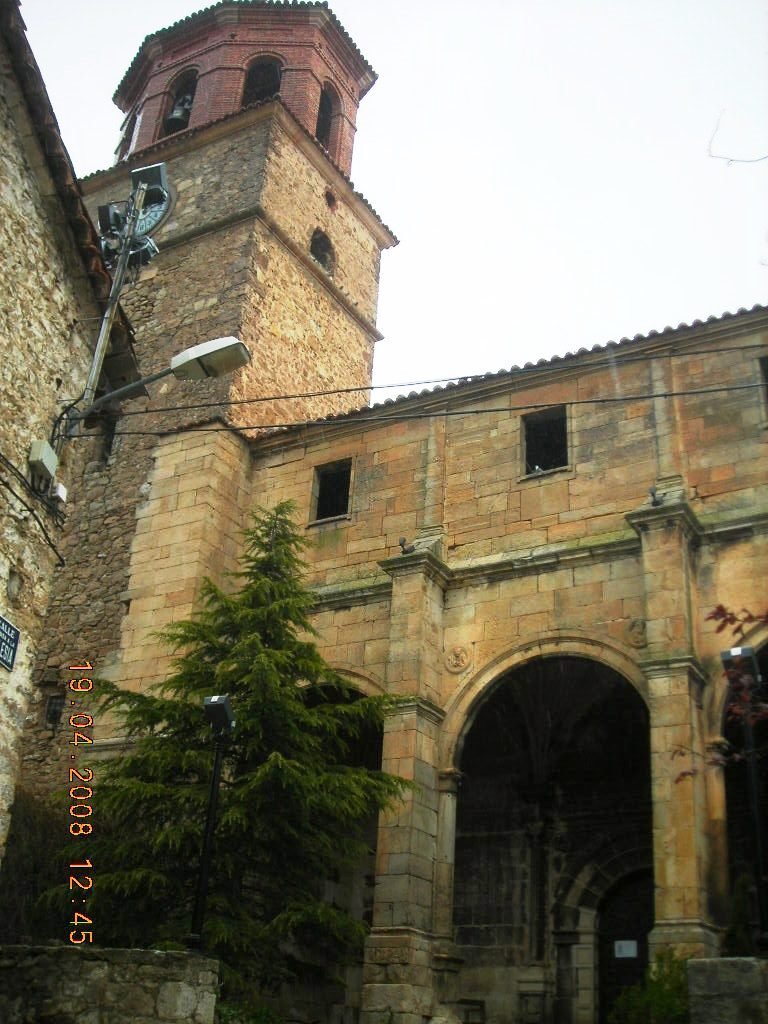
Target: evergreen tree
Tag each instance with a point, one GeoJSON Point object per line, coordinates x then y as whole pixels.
{"type": "Point", "coordinates": [294, 797]}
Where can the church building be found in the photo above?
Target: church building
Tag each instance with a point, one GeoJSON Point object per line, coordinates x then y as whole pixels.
{"type": "Point", "coordinates": [529, 557]}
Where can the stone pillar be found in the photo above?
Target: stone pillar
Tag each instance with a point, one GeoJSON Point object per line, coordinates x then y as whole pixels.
{"type": "Point", "coordinates": [681, 832]}
{"type": "Point", "coordinates": [669, 533]}
{"type": "Point", "coordinates": [398, 976]}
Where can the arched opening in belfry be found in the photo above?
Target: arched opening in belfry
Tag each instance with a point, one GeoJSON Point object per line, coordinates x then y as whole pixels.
{"type": "Point", "coordinates": [262, 81]}
{"type": "Point", "coordinates": [553, 815]}
{"type": "Point", "coordinates": [179, 109]}
{"type": "Point", "coordinates": [745, 755]}
{"type": "Point", "coordinates": [327, 108]}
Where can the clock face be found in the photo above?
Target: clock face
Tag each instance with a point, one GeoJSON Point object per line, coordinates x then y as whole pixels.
{"type": "Point", "coordinates": [151, 216]}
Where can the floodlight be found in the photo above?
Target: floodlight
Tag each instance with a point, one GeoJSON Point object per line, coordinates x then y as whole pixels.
{"type": "Point", "coordinates": [218, 711]}
{"type": "Point", "coordinates": [210, 359]}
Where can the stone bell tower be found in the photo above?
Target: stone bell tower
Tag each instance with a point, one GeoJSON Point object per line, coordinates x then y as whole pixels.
{"type": "Point", "coordinates": [252, 108]}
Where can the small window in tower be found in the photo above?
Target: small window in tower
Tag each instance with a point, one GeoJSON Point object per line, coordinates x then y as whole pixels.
{"type": "Point", "coordinates": [262, 81]}
{"type": "Point", "coordinates": [54, 709]}
{"type": "Point", "coordinates": [180, 108]}
{"type": "Point", "coordinates": [324, 117]}
{"type": "Point", "coordinates": [321, 250]}
{"type": "Point", "coordinates": [330, 493]}
{"type": "Point", "coordinates": [546, 440]}
{"type": "Point", "coordinates": [764, 378]}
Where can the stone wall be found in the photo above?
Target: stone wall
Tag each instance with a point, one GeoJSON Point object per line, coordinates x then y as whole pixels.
{"type": "Point", "coordinates": [105, 986]}
{"type": "Point", "coordinates": [47, 327]}
{"type": "Point", "coordinates": [728, 991]}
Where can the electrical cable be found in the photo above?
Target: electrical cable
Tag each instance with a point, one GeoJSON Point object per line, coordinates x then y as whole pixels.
{"type": "Point", "coordinates": [371, 416]}
{"type": "Point", "coordinates": [47, 504]}
{"type": "Point", "coordinates": [608, 361]}
{"type": "Point", "coordinates": [37, 519]}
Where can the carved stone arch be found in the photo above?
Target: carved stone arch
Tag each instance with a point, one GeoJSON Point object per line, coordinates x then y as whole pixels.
{"type": "Point", "coordinates": [366, 682]}
{"type": "Point", "coordinates": [589, 876]}
{"type": "Point", "coordinates": [465, 703]}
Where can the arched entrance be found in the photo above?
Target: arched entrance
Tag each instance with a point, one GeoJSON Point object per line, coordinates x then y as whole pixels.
{"type": "Point", "coordinates": [625, 919]}
{"type": "Point", "coordinates": [746, 812]}
{"type": "Point", "coordinates": [554, 808]}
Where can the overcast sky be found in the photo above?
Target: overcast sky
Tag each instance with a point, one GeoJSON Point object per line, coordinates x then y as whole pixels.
{"type": "Point", "coordinates": [544, 162]}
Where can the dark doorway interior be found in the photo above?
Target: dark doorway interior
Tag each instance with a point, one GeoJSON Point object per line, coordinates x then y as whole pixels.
{"type": "Point", "coordinates": [555, 780]}
{"type": "Point", "coordinates": [626, 918]}
{"type": "Point", "coordinates": [743, 917]}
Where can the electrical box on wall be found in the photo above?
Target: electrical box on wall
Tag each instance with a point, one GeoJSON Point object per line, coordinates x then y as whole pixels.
{"type": "Point", "coordinates": [43, 460]}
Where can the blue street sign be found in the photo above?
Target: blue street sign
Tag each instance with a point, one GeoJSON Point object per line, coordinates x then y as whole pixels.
{"type": "Point", "coordinates": [9, 643]}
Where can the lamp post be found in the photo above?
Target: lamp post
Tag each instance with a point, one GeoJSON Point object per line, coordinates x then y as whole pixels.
{"type": "Point", "coordinates": [740, 663]}
{"type": "Point", "coordinates": [218, 711]}
{"type": "Point", "coordinates": [214, 358]}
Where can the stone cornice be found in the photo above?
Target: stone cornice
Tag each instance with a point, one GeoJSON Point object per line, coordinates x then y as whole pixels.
{"type": "Point", "coordinates": [274, 110]}
{"type": "Point", "coordinates": [419, 706]}
{"type": "Point", "coordinates": [347, 595]}
{"type": "Point", "coordinates": [660, 668]}
{"type": "Point", "coordinates": [726, 530]}
{"type": "Point", "coordinates": [556, 556]}
{"type": "Point", "coordinates": [424, 561]}
{"type": "Point", "coordinates": [659, 516]}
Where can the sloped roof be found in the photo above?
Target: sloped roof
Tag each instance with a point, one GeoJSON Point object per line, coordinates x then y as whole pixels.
{"type": "Point", "coordinates": [460, 387]}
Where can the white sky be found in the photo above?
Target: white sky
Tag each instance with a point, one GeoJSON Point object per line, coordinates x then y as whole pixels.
{"type": "Point", "coordinates": [543, 162]}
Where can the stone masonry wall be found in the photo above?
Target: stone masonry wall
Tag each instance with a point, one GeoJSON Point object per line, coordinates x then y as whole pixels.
{"type": "Point", "coordinates": [105, 986]}
{"type": "Point", "coordinates": [46, 333]}
{"type": "Point", "coordinates": [728, 991]}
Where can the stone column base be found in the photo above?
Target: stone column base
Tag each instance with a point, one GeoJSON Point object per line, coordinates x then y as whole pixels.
{"type": "Point", "coordinates": [397, 977]}
{"type": "Point", "coordinates": [687, 938]}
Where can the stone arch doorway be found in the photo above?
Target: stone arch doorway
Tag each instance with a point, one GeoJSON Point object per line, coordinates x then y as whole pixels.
{"type": "Point", "coordinates": [555, 779]}
{"type": "Point", "coordinates": [624, 922]}
{"type": "Point", "coordinates": [743, 822]}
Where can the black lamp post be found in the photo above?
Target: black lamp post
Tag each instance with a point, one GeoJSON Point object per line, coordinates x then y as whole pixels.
{"type": "Point", "coordinates": [741, 664]}
{"type": "Point", "coordinates": [218, 711]}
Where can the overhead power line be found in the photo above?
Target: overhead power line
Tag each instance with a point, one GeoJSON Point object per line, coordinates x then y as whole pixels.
{"type": "Point", "coordinates": [260, 400]}
{"type": "Point", "coordinates": [365, 416]}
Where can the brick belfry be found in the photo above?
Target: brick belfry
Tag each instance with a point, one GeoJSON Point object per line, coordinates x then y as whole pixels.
{"type": "Point", "coordinates": [252, 108]}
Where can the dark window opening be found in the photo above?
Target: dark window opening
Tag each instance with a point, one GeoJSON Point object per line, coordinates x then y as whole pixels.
{"type": "Point", "coordinates": [321, 249]}
{"type": "Point", "coordinates": [54, 709]}
{"type": "Point", "coordinates": [546, 440]}
{"type": "Point", "coordinates": [126, 138]}
{"type": "Point", "coordinates": [262, 82]}
{"type": "Point", "coordinates": [764, 375]}
{"type": "Point", "coordinates": [180, 109]}
{"type": "Point", "coordinates": [332, 483]}
{"type": "Point", "coordinates": [324, 115]}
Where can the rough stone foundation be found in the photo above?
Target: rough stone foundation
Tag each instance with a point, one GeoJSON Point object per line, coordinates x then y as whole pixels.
{"type": "Point", "coordinates": [733, 990]}
{"type": "Point", "coordinates": [105, 986]}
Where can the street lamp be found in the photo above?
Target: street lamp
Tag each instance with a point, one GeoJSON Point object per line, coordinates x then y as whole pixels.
{"type": "Point", "coordinates": [214, 358]}
{"type": "Point", "coordinates": [218, 711]}
{"type": "Point", "coordinates": [740, 664]}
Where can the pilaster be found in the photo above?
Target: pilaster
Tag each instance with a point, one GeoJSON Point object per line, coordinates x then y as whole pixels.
{"type": "Point", "coordinates": [682, 832]}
